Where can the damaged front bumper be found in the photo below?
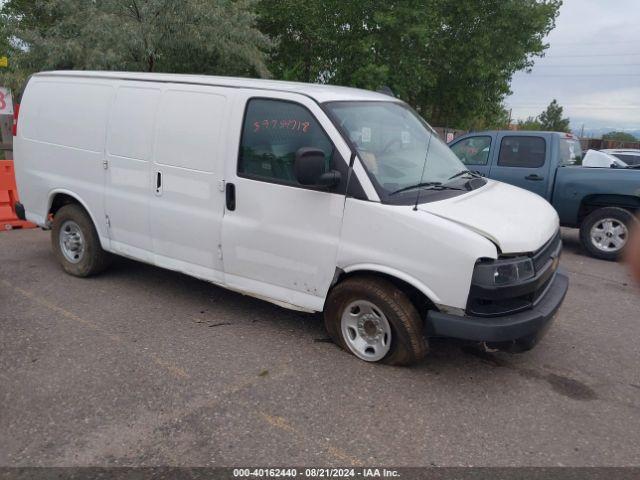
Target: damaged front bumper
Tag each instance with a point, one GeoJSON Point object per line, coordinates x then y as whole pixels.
{"type": "Point", "coordinates": [513, 332]}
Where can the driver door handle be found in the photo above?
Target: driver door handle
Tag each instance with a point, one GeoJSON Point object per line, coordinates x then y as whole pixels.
{"type": "Point", "coordinates": [534, 177]}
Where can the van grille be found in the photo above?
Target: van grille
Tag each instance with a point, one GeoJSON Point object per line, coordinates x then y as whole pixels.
{"type": "Point", "coordinates": [543, 255]}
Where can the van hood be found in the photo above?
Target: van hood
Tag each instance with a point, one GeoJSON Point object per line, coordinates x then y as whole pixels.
{"type": "Point", "coordinates": [516, 220]}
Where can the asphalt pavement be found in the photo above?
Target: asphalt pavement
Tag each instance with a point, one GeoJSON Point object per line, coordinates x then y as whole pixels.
{"type": "Point", "coordinates": [142, 366]}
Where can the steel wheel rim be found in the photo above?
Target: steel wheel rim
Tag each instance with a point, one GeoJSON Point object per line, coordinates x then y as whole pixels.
{"type": "Point", "coordinates": [609, 235]}
{"type": "Point", "coordinates": [366, 330]}
{"type": "Point", "coordinates": [72, 242]}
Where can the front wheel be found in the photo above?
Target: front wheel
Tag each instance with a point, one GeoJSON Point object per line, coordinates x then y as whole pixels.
{"type": "Point", "coordinates": [371, 318]}
{"type": "Point", "coordinates": [604, 232]}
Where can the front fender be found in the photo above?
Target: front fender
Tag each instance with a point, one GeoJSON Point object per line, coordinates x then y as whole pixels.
{"type": "Point", "coordinates": [414, 282]}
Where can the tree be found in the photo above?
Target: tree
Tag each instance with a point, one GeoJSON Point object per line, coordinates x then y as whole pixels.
{"type": "Point", "coordinates": [551, 119]}
{"type": "Point", "coordinates": [194, 36]}
{"type": "Point", "coordinates": [619, 137]}
{"type": "Point", "coordinates": [452, 61]}
{"type": "Point", "coordinates": [531, 123]}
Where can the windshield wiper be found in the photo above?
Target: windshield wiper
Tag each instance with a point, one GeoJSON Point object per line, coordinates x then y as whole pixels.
{"type": "Point", "coordinates": [464, 172]}
{"type": "Point", "coordinates": [427, 186]}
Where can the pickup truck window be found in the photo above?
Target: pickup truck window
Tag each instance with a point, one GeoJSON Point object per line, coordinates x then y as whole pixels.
{"type": "Point", "coordinates": [473, 150]}
{"type": "Point", "coordinates": [570, 151]}
{"type": "Point", "coordinates": [272, 133]}
{"type": "Point", "coordinates": [523, 152]}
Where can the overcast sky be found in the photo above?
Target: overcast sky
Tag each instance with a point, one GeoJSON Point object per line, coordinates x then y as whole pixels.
{"type": "Point", "coordinates": [592, 67]}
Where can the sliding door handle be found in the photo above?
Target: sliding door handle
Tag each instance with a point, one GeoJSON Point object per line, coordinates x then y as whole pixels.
{"type": "Point", "coordinates": [230, 196]}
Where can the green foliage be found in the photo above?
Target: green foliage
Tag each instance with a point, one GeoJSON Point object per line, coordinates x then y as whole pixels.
{"type": "Point", "coordinates": [452, 61]}
{"type": "Point", "coordinates": [531, 123]}
{"type": "Point", "coordinates": [190, 36]}
{"type": "Point", "coordinates": [619, 137]}
{"type": "Point", "coordinates": [499, 119]}
{"type": "Point", "coordinates": [551, 119]}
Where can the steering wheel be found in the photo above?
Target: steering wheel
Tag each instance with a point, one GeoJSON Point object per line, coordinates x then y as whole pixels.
{"type": "Point", "coordinates": [387, 146]}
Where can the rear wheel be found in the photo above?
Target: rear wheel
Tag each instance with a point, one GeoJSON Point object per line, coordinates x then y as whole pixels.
{"type": "Point", "coordinates": [604, 232]}
{"type": "Point", "coordinates": [76, 243]}
{"type": "Point", "coordinates": [374, 320]}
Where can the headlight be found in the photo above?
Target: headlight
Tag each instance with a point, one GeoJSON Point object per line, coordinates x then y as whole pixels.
{"type": "Point", "coordinates": [503, 272]}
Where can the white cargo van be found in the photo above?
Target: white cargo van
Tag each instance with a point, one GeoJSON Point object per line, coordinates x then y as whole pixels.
{"type": "Point", "coordinates": [313, 197]}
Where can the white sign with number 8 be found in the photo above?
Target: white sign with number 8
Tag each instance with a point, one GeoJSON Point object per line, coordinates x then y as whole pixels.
{"type": "Point", "coordinates": [6, 102]}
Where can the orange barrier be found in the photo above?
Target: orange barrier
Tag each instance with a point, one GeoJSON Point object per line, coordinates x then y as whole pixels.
{"type": "Point", "coordinates": [8, 198]}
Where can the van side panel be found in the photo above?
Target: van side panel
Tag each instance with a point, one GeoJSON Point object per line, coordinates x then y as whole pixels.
{"type": "Point", "coordinates": [190, 145]}
{"type": "Point", "coordinates": [60, 145]}
{"type": "Point", "coordinates": [128, 186]}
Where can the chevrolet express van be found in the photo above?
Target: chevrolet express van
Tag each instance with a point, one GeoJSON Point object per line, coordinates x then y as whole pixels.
{"type": "Point", "coordinates": [316, 198]}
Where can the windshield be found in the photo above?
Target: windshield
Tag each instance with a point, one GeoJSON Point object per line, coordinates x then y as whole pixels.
{"type": "Point", "coordinates": [392, 143]}
{"type": "Point", "coordinates": [570, 151]}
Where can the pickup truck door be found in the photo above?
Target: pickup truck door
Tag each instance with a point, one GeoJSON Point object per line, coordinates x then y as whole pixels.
{"type": "Point", "coordinates": [523, 160]}
{"type": "Point", "coordinates": [475, 152]}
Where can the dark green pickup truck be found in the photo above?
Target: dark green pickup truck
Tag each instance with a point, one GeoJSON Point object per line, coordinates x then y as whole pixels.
{"type": "Point", "coordinates": [601, 202]}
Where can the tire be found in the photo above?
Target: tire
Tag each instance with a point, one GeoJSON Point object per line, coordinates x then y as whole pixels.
{"type": "Point", "coordinates": [379, 303]}
{"type": "Point", "coordinates": [82, 255]}
{"type": "Point", "coordinates": [615, 226]}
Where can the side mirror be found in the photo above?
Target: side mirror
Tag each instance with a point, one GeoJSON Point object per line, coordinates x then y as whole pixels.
{"type": "Point", "coordinates": [310, 169]}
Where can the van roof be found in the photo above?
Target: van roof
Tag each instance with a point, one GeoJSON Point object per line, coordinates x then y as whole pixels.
{"type": "Point", "coordinates": [318, 92]}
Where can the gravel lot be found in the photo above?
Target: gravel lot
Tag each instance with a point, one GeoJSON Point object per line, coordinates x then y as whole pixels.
{"type": "Point", "coordinates": [142, 366]}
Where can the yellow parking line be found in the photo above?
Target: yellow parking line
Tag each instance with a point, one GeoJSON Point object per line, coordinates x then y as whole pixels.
{"type": "Point", "coordinates": [344, 457]}
{"type": "Point", "coordinates": [278, 422]}
{"type": "Point", "coordinates": [166, 365]}
{"type": "Point", "coordinates": [176, 371]}
{"type": "Point", "coordinates": [337, 453]}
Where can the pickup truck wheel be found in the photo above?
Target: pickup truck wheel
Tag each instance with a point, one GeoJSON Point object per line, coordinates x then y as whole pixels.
{"type": "Point", "coordinates": [605, 232]}
{"type": "Point", "coordinates": [375, 321]}
{"type": "Point", "coordinates": [76, 243]}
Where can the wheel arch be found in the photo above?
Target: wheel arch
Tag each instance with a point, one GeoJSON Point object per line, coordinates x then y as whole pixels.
{"type": "Point", "coordinates": [591, 203]}
{"type": "Point", "coordinates": [420, 295]}
{"type": "Point", "coordinates": [58, 198]}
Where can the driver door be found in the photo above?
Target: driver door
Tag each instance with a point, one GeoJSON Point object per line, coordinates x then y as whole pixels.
{"type": "Point", "coordinates": [279, 238]}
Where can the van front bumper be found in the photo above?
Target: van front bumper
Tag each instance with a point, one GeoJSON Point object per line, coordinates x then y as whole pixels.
{"type": "Point", "coordinates": [514, 332]}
